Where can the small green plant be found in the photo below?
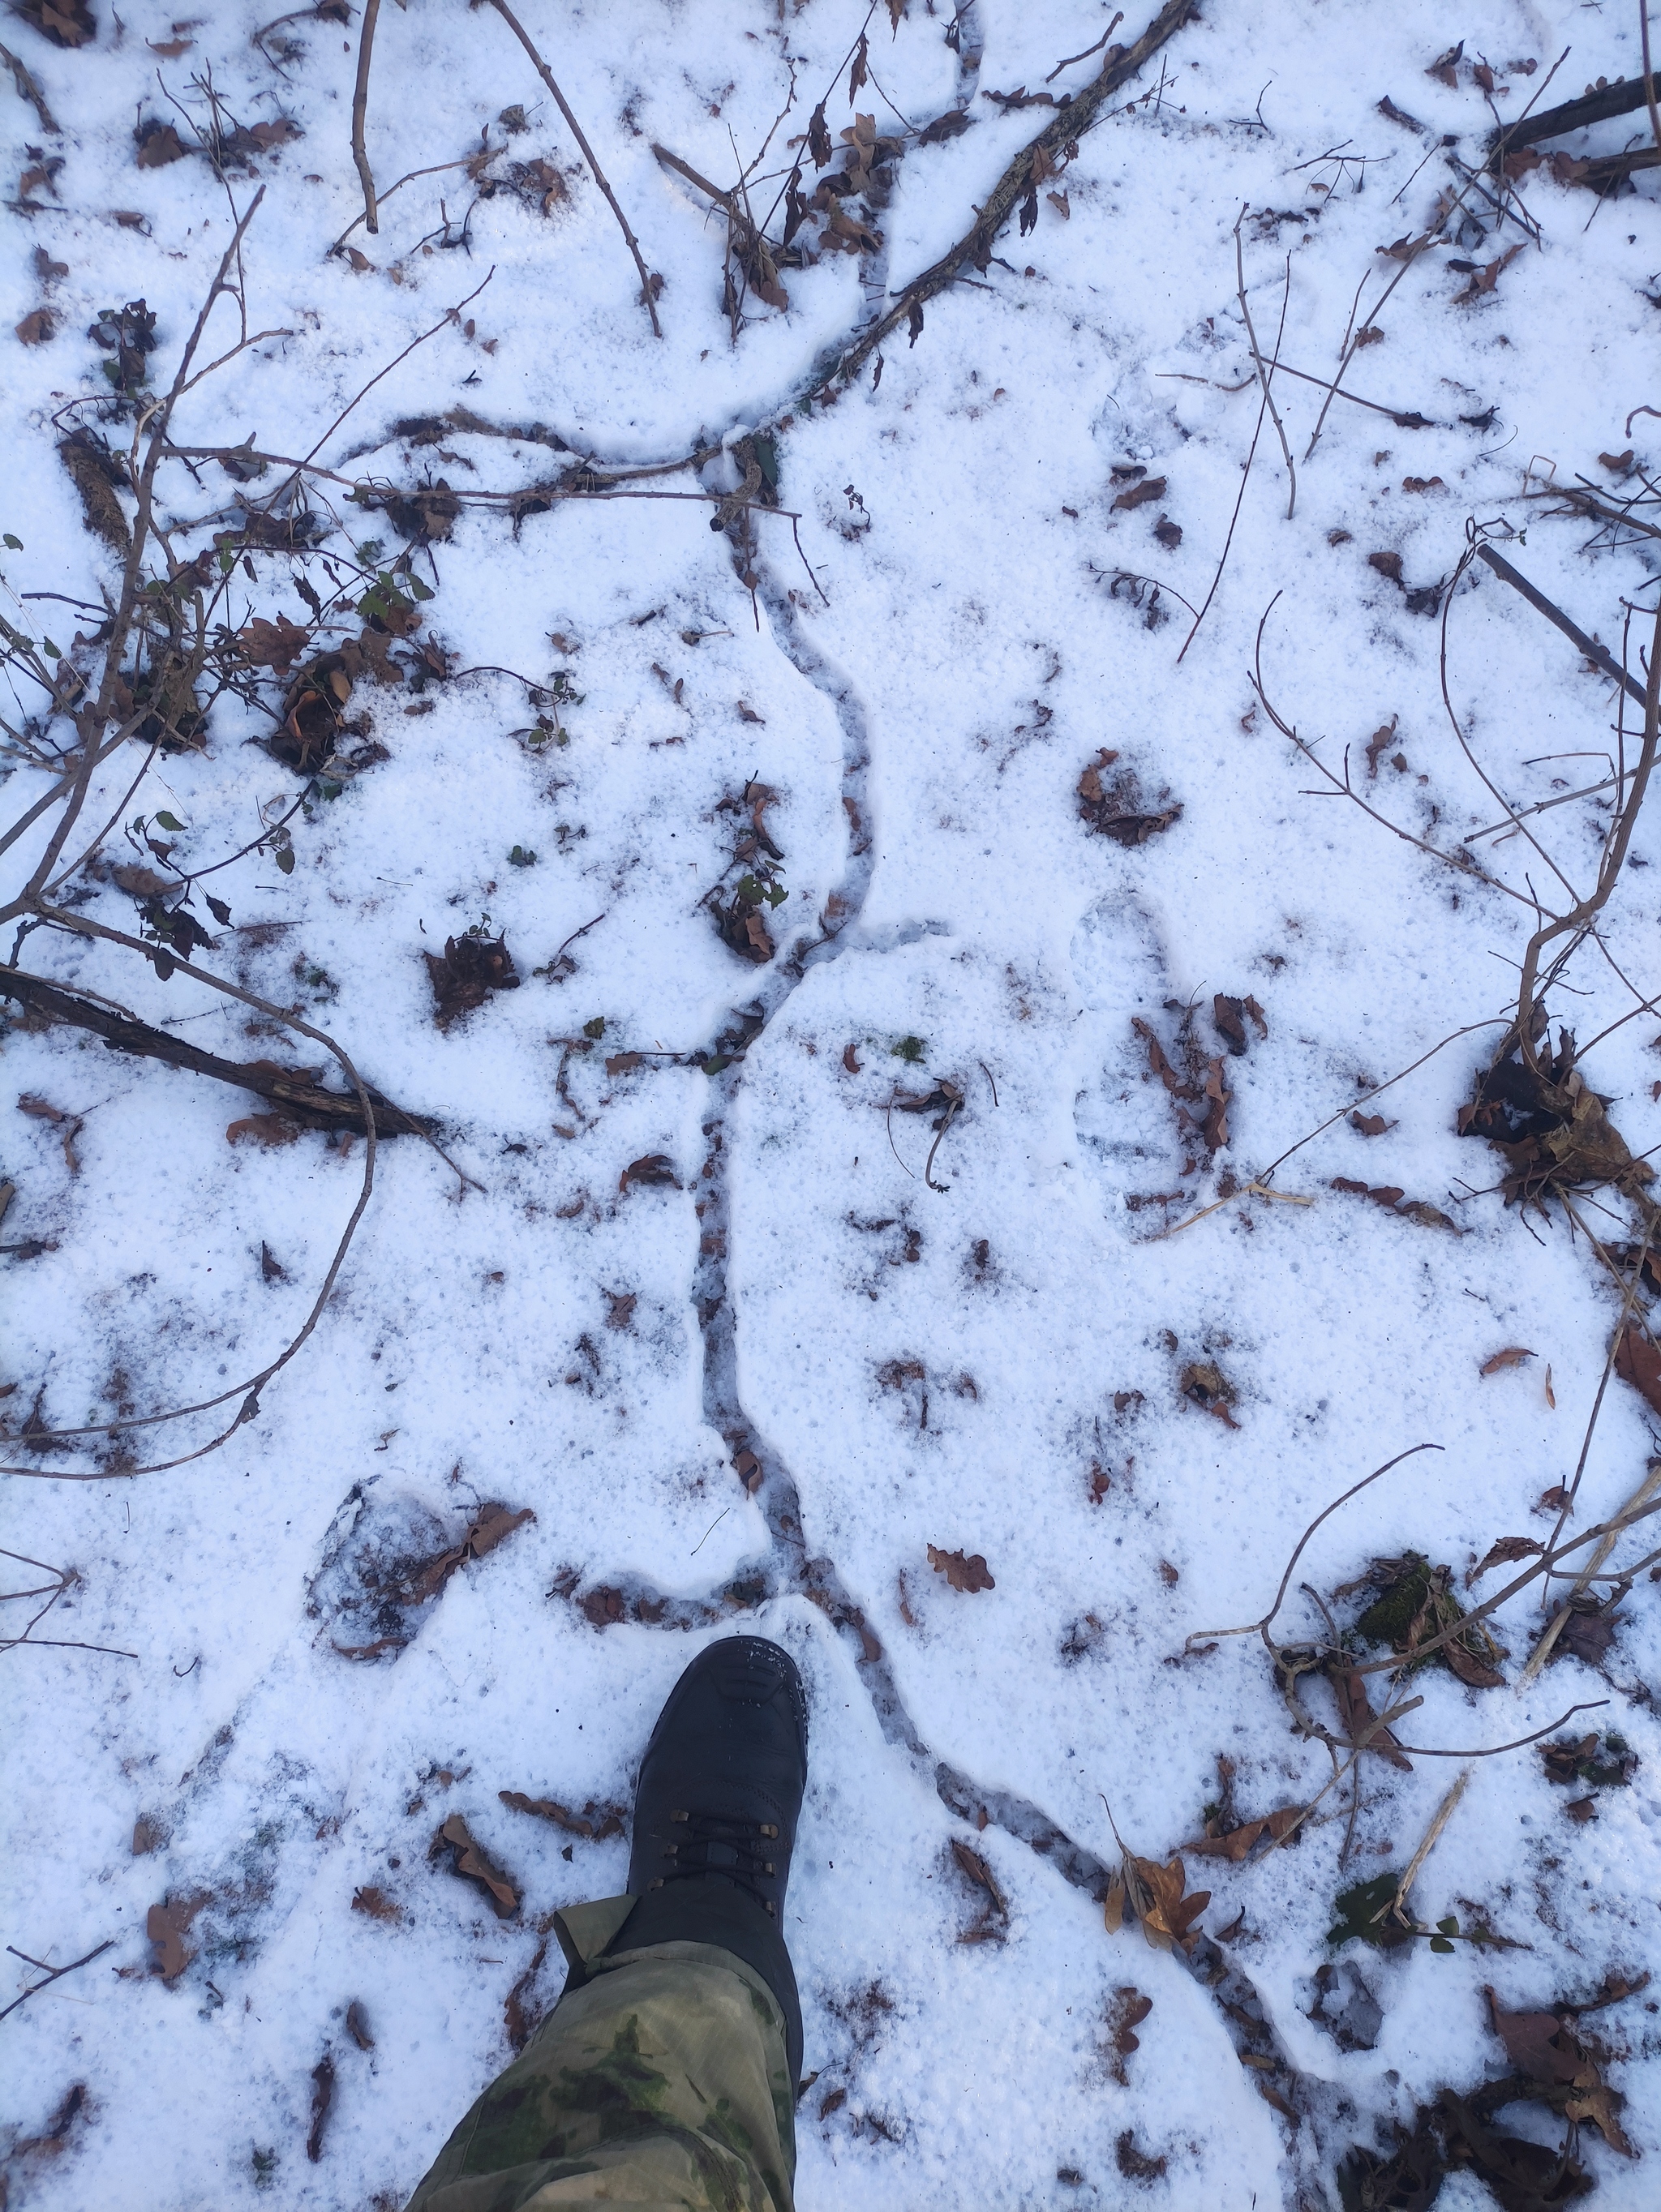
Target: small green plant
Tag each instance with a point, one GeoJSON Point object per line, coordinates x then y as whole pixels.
{"type": "Point", "coordinates": [1364, 1915]}
{"type": "Point", "coordinates": [909, 1049]}
{"type": "Point", "coordinates": [595, 1028]}
{"type": "Point", "coordinates": [521, 857]}
{"type": "Point", "coordinates": [753, 891]}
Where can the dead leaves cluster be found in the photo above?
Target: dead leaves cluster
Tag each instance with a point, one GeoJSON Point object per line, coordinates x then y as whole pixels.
{"type": "Point", "coordinates": [1414, 1603]}
{"type": "Point", "coordinates": [1157, 1897]}
{"type": "Point", "coordinates": [1197, 1088]}
{"type": "Point", "coordinates": [65, 23]}
{"type": "Point", "coordinates": [472, 967]}
{"type": "Point", "coordinates": [1115, 809]}
{"type": "Point", "coordinates": [1553, 1133]}
{"type": "Point", "coordinates": [1552, 2065]}
{"type": "Point", "coordinates": [1394, 1199]}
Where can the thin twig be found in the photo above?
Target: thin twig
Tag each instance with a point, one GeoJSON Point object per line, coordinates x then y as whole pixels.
{"type": "Point", "coordinates": [1254, 1188]}
{"type": "Point", "coordinates": [61, 1643]}
{"type": "Point", "coordinates": [1257, 1627]}
{"type": "Point", "coordinates": [1239, 501]}
{"type": "Point", "coordinates": [53, 1973]}
{"type": "Point", "coordinates": [1257, 355]}
{"type": "Point", "coordinates": [248, 1391]}
{"type": "Point", "coordinates": [648, 285]}
{"type": "Point", "coordinates": [1543, 1651]}
{"type": "Point", "coordinates": [1088, 51]}
{"type": "Point", "coordinates": [360, 110]}
{"type": "Point", "coordinates": [1445, 1813]}
{"type": "Point", "coordinates": [1614, 855]}
{"type": "Point", "coordinates": [1402, 418]}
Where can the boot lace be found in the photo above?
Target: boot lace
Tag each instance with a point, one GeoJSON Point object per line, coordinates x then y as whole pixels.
{"type": "Point", "coordinates": [714, 1844]}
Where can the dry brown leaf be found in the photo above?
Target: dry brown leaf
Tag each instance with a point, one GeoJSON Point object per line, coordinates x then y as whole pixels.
{"type": "Point", "coordinates": [1235, 1843]}
{"type": "Point", "coordinates": [357, 2025]}
{"type": "Point", "coordinates": [269, 1130]}
{"type": "Point", "coordinates": [139, 882]}
{"type": "Point", "coordinates": [1130, 2009]}
{"type": "Point", "coordinates": [37, 328]}
{"type": "Point", "coordinates": [160, 145]}
{"type": "Point", "coordinates": [1638, 1361]}
{"type": "Point", "coordinates": [980, 1874]}
{"type": "Point", "coordinates": [166, 1925]}
{"type": "Point", "coordinates": [1203, 1384]}
{"type": "Point", "coordinates": [655, 1169]}
{"type": "Point", "coordinates": [376, 1903]}
{"type": "Point", "coordinates": [1155, 1895]}
{"type": "Point", "coordinates": [968, 1574]}
{"type": "Point", "coordinates": [1512, 1356]}
{"type": "Point", "coordinates": [596, 1823]}
{"type": "Point", "coordinates": [322, 2098]}
{"type": "Point", "coordinates": [1357, 1716]}
{"type": "Point", "coordinates": [473, 1864]}
{"type": "Point", "coordinates": [1508, 1548]}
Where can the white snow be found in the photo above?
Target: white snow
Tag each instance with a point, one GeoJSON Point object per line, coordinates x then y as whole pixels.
{"type": "Point", "coordinates": [967, 659]}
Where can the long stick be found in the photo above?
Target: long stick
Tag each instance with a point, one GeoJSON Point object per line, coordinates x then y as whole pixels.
{"type": "Point", "coordinates": [648, 298]}
{"type": "Point", "coordinates": [1571, 629]}
{"type": "Point", "coordinates": [360, 109]}
{"type": "Point", "coordinates": [293, 1091]}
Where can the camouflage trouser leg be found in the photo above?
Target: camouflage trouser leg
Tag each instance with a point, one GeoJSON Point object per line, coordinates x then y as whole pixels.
{"type": "Point", "coordinates": [658, 2082]}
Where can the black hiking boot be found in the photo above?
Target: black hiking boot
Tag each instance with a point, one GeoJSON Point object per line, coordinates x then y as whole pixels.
{"type": "Point", "coordinates": [716, 1811]}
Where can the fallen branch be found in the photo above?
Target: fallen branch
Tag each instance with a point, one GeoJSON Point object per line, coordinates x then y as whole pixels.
{"type": "Point", "coordinates": [298, 1095]}
{"type": "Point", "coordinates": [1570, 629]}
{"type": "Point", "coordinates": [1574, 114]}
{"type": "Point", "coordinates": [975, 247]}
{"type": "Point", "coordinates": [649, 285]}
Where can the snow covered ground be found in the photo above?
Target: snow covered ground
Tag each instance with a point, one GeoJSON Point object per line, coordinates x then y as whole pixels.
{"type": "Point", "coordinates": [755, 1384]}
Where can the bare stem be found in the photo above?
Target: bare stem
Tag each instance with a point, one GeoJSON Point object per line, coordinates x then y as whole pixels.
{"type": "Point", "coordinates": [648, 288]}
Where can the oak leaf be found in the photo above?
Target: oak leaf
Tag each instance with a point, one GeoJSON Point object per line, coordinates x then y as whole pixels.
{"type": "Point", "coordinates": [473, 1864]}
{"type": "Point", "coordinates": [969, 1574]}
